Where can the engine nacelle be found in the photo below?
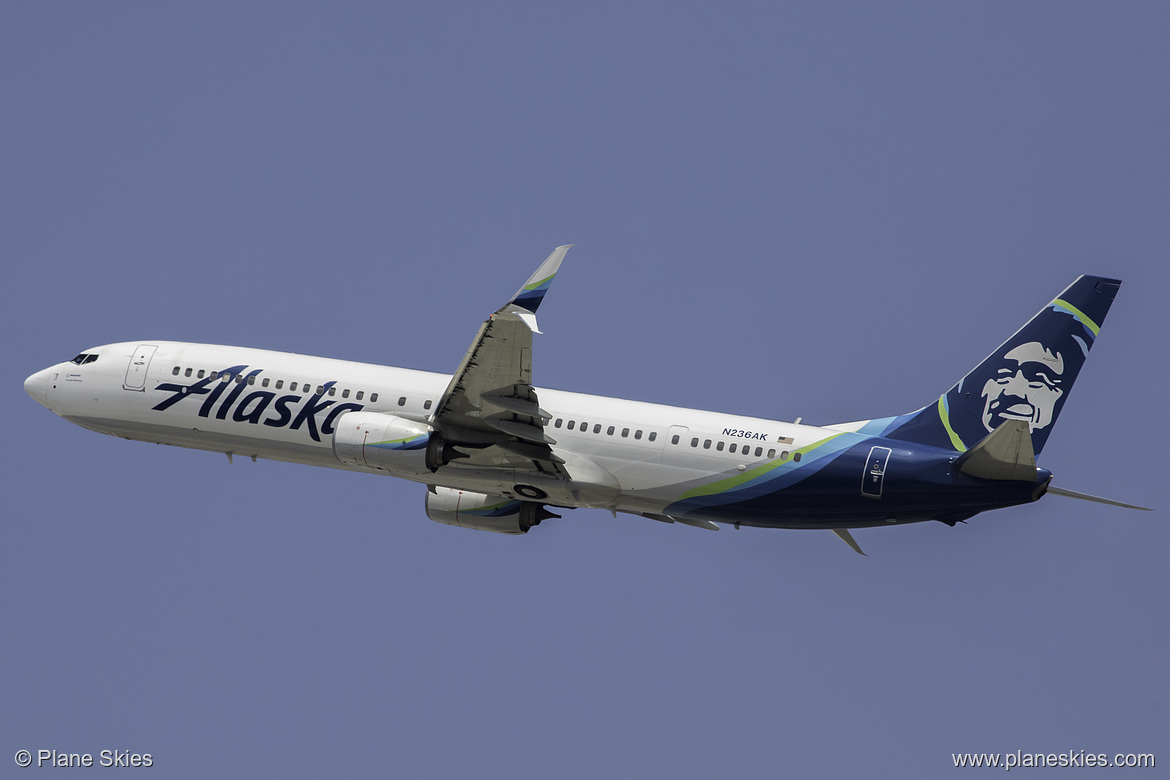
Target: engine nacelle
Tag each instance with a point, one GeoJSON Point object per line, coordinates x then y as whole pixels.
{"type": "Point", "coordinates": [381, 442]}
{"type": "Point", "coordinates": [467, 509]}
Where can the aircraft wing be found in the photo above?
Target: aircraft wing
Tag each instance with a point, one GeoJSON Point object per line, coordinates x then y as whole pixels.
{"type": "Point", "coordinates": [490, 411]}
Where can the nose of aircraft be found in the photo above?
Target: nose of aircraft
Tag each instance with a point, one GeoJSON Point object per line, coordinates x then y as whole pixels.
{"type": "Point", "coordinates": [37, 386]}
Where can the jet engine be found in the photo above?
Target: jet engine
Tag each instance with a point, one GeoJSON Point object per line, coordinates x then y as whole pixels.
{"type": "Point", "coordinates": [483, 512]}
{"type": "Point", "coordinates": [375, 441]}
{"type": "Point", "coordinates": [381, 442]}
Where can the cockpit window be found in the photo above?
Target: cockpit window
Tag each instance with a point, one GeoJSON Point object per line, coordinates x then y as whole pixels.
{"type": "Point", "coordinates": [83, 359]}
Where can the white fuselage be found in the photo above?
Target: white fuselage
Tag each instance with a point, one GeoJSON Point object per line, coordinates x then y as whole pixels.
{"type": "Point", "coordinates": [282, 406]}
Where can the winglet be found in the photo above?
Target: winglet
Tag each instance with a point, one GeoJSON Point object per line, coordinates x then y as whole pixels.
{"type": "Point", "coordinates": [849, 540]}
{"type": "Point", "coordinates": [532, 293]}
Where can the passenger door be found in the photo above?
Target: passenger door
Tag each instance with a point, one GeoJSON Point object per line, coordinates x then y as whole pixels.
{"type": "Point", "coordinates": [139, 365]}
{"type": "Point", "coordinates": [874, 475]}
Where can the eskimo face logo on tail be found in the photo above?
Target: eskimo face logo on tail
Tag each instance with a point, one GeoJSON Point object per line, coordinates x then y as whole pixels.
{"type": "Point", "coordinates": [1027, 379]}
{"type": "Point", "coordinates": [258, 406]}
{"type": "Point", "coordinates": [1026, 387]}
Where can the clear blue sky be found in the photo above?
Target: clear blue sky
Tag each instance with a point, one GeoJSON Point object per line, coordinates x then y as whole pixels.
{"type": "Point", "coordinates": [829, 211]}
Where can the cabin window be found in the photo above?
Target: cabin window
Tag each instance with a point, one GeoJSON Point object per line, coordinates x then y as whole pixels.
{"type": "Point", "coordinates": [585, 427]}
{"type": "Point", "coordinates": [187, 373]}
{"type": "Point", "coordinates": [638, 434]}
{"type": "Point", "coordinates": [239, 379]}
{"type": "Point", "coordinates": [345, 393]}
{"type": "Point", "coordinates": [625, 432]}
{"type": "Point", "coordinates": [173, 373]}
{"type": "Point", "coordinates": [333, 391]}
{"type": "Point", "coordinates": [653, 435]}
{"type": "Point", "coordinates": [251, 380]}
{"type": "Point", "coordinates": [771, 453]}
{"type": "Point", "coordinates": [571, 424]}
{"type": "Point", "coordinates": [694, 442]}
{"type": "Point", "coordinates": [279, 384]}
{"type": "Point", "coordinates": [360, 394]}
{"type": "Point", "coordinates": [264, 383]}
{"type": "Point", "coordinates": [707, 444]}
{"type": "Point", "coordinates": [402, 401]}
{"type": "Point", "coordinates": [719, 446]}
{"type": "Point", "coordinates": [373, 398]}
{"type": "Point", "coordinates": [732, 447]}
{"type": "Point", "coordinates": [674, 439]}
{"type": "Point", "coordinates": [796, 457]}
{"type": "Point", "coordinates": [557, 424]}
{"type": "Point", "coordinates": [292, 386]}
{"type": "Point", "coordinates": [200, 374]}
{"type": "Point", "coordinates": [213, 375]}
{"type": "Point", "coordinates": [609, 431]}
{"type": "Point", "coordinates": [427, 404]}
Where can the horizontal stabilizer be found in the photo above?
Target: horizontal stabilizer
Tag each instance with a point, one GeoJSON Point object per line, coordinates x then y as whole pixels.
{"type": "Point", "coordinates": [849, 540]}
{"type": "Point", "coordinates": [1086, 497]}
{"type": "Point", "coordinates": [1004, 454]}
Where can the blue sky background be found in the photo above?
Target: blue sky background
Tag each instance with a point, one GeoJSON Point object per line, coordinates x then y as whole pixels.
{"type": "Point", "coordinates": [829, 211]}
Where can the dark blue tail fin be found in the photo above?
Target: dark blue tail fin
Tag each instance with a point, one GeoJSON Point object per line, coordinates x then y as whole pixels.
{"type": "Point", "coordinates": [1028, 378]}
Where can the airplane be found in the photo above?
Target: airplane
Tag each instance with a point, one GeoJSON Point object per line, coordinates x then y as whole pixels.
{"type": "Point", "coordinates": [496, 452]}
